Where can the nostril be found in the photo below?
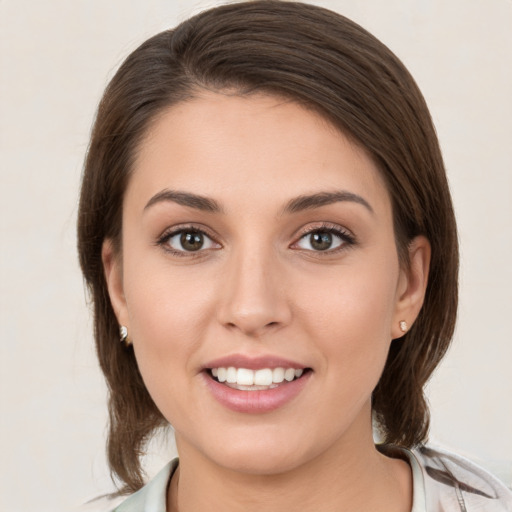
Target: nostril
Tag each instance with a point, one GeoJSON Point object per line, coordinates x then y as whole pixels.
{"type": "Point", "coordinates": [252, 326]}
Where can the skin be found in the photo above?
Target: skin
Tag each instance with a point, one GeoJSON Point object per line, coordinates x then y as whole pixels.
{"type": "Point", "coordinates": [260, 288]}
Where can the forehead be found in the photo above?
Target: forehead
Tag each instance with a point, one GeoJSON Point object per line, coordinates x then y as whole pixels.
{"type": "Point", "coordinates": [225, 144]}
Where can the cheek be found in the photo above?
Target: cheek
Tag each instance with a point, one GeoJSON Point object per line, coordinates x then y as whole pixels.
{"type": "Point", "coordinates": [168, 311]}
{"type": "Point", "coordinates": [162, 298]}
{"type": "Point", "coordinates": [353, 301]}
{"type": "Point", "coordinates": [350, 318]}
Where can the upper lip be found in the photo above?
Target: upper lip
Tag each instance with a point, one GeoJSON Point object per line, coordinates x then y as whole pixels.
{"type": "Point", "coordinates": [253, 363]}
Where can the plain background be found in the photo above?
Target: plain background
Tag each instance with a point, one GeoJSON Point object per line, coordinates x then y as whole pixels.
{"type": "Point", "coordinates": [56, 57]}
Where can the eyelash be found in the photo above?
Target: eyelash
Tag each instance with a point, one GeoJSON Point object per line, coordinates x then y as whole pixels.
{"type": "Point", "coordinates": [347, 239]}
{"type": "Point", "coordinates": [163, 240]}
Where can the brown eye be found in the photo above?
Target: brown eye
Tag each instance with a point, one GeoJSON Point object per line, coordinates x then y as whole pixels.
{"type": "Point", "coordinates": [191, 241]}
{"type": "Point", "coordinates": [321, 241]}
{"type": "Point", "coordinates": [186, 241]}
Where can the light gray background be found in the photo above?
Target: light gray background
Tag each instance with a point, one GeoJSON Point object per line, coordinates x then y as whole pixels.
{"type": "Point", "coordinates": [56, 57]}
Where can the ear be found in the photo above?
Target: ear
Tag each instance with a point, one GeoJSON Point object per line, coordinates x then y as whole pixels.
{"type": "Point", "coordinates": [412, 285]}
{"type": "Point", "coordinates": [114, 277]}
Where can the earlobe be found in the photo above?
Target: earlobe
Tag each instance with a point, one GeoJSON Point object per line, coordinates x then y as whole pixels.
{"type": "Point", "coordinates": [114, 277]}
{"type": "Point", "coordinates": [412, 286]}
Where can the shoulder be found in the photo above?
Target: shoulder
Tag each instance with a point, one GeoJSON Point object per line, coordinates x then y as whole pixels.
{"type": "Point", "coordinates": [453, 483]}
{"type": "Point", "coordinates": [151, 497]}
{"type": "Point", "coordinates": [101, 504]}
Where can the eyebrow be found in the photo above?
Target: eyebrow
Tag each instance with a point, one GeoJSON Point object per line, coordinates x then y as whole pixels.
{"type": "Point", "coordinates": [185, 199]}
{"type": "Point", "coordinates": [308, 202]}
{"type": "Point", "coordinates": [298, 204]}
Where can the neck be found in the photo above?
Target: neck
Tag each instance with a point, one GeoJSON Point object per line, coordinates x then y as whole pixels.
{"type": "Point", "coordinates": [344, 478]}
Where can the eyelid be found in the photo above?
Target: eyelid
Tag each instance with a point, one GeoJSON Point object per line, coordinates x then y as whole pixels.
{"type": "Point", "coordinates": [347, 237]}
{"type": "Point", "coordinates": [170, 232]}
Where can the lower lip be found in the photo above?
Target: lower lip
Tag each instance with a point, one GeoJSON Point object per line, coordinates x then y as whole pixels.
{"type": "Point", "coordinates": [256, 402]}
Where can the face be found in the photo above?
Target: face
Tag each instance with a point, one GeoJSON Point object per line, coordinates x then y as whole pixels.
{"type": "Point", "coordinates": [259, 281]}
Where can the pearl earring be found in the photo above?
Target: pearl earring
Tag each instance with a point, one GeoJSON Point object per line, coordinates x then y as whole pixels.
{"type": "Point", "coordinates": [123, 335]}
{"type": "Point", "coordinates": [403, 325]}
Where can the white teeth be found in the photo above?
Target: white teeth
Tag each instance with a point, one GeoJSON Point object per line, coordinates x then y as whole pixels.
{"type": "Point", "coordinates": [278, 375]}
{"type": "Point", "coordinates": [244, 377]}
{"type": "Point", "coordinates": [289, 374]}
{"type": "Point", "coordinates": [221, 374]}
{"type": "Point", "coordinates": [231, 375]}
{"type": "Point", "coordinates": [256, 379]}
{"type": "Point", "coordinates": [263, 377]}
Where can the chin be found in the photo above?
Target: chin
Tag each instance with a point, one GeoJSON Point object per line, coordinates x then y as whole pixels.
{"type": "Point", "coordinates": [261, 453]}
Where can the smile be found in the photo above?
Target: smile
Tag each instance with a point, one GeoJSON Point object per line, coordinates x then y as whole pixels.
{"type": "Point", "coordinates": [245, 379]}
{"type": "Point", "coordinates": [256, 390]}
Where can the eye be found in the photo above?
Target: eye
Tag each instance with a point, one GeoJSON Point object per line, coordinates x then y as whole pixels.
{"type": "Point", "coordinates": [324, 240]}
{"type": "Point", "coordinates": [187, 240]}
{"type": "Point", "coordinates": [319, 241]}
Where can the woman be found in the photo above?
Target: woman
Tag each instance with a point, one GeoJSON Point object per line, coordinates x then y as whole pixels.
{"type": "Point", "coordinates": [266, 225]}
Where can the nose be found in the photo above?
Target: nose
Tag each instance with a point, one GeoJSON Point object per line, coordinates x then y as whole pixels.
{"type": "Point", "coordinates": [254, 299]}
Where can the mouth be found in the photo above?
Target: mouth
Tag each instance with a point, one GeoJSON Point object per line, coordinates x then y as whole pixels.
{"type": "Point", "coordinates": [257, 384]}
{"type": "Point", "coordinates": [261, 379]}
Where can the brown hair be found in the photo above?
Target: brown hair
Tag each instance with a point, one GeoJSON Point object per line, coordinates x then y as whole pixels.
{"type": "Point", "coordinates": [325, 62]}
